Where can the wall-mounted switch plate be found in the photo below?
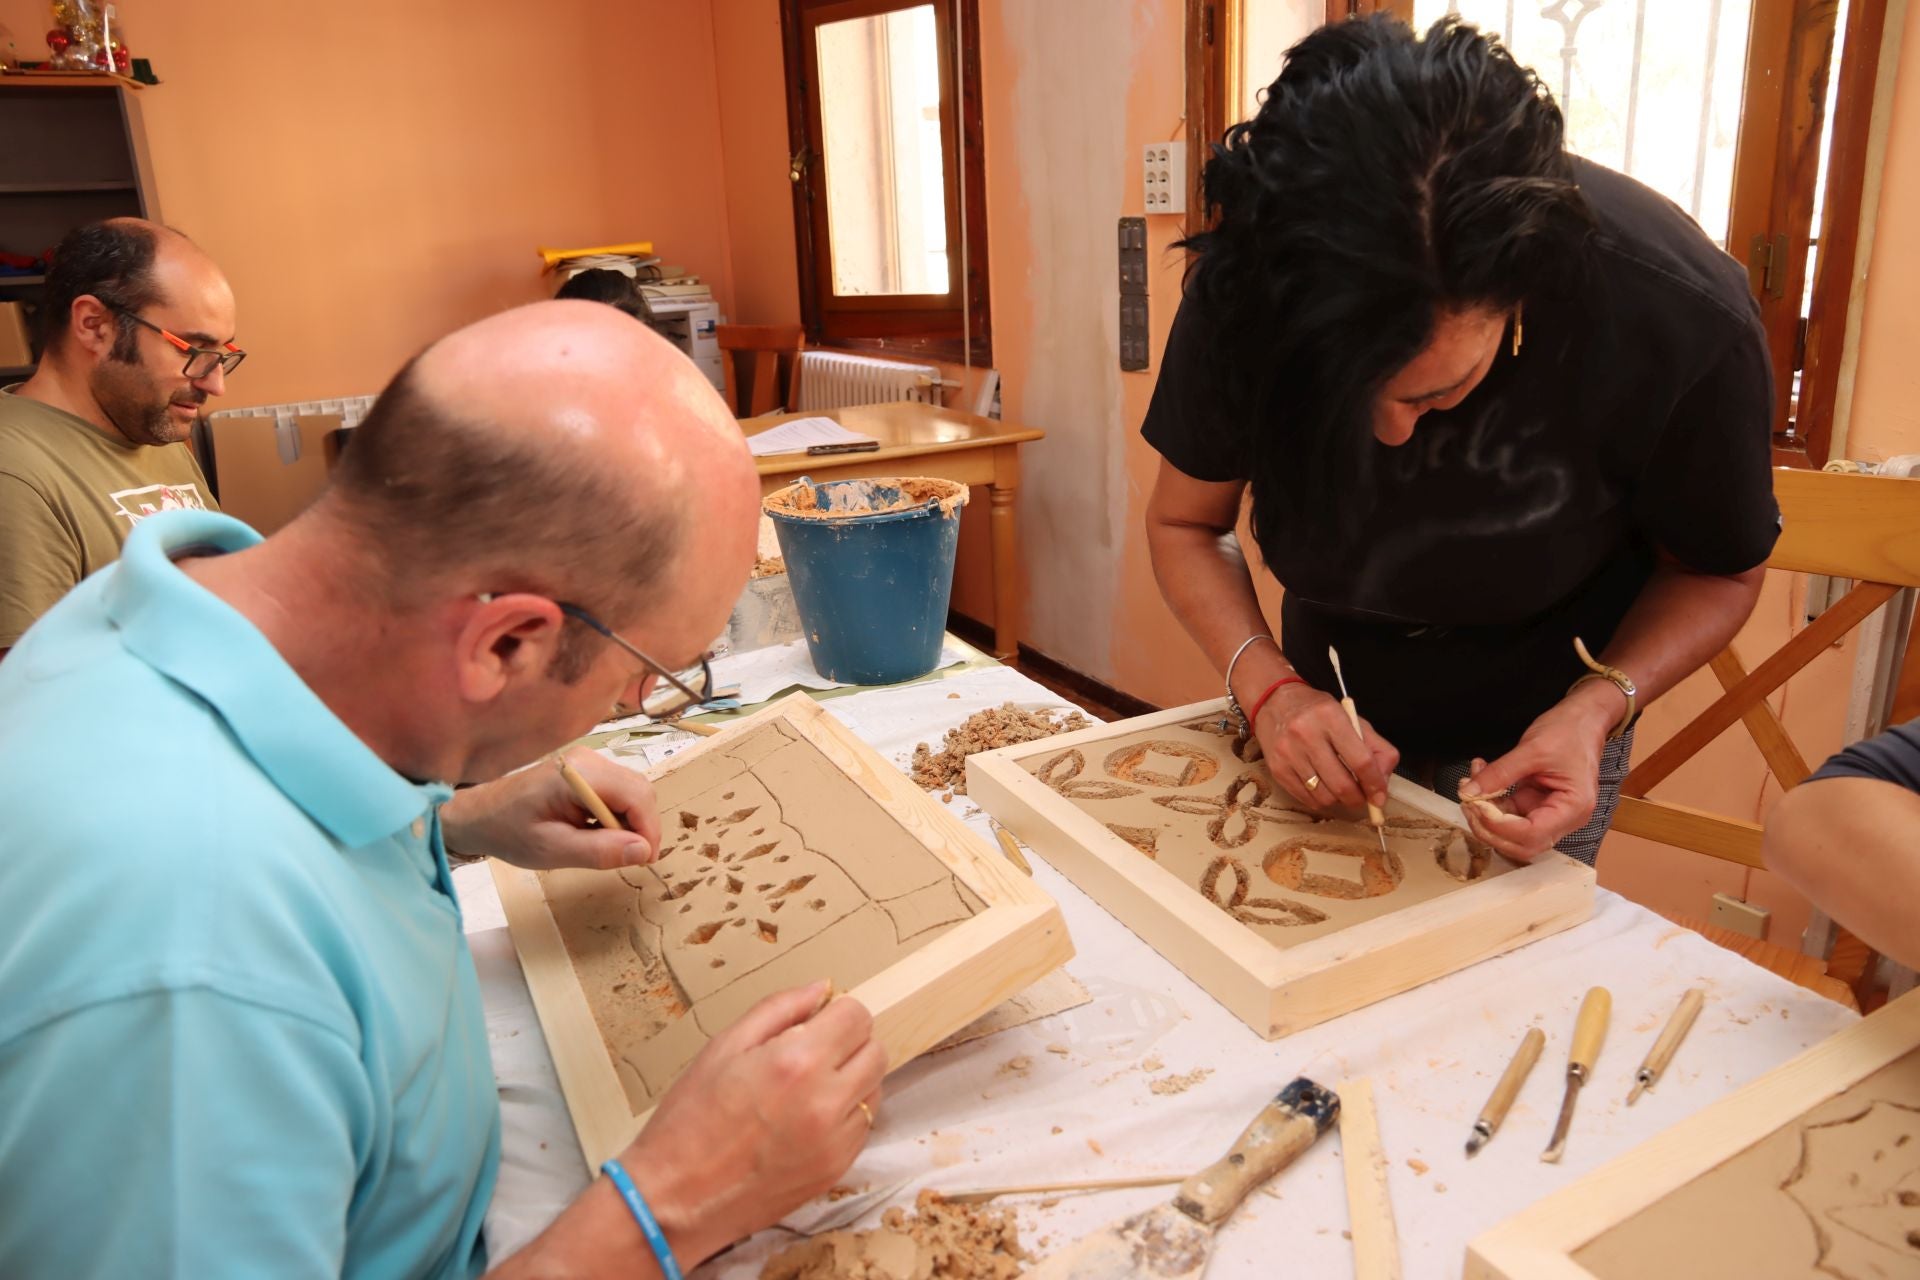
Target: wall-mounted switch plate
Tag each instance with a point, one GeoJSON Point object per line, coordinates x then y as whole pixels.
{"type": "Point", "coordinates": [1133, 293]}
{"type": "Point", "coordinates": [1730, 912]}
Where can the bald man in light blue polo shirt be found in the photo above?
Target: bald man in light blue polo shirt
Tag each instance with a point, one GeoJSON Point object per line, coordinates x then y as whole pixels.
{"type": "Point", "coordinates": [240, 1031]}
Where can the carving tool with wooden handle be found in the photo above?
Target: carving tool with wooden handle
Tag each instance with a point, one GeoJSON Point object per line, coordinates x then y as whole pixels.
{"type": "Point", "coordinates": [1663, 1049]}
{"type": "Point", "coordinates": [1011, 848]}
{"type": "Point", "coordinates": [589, 798]}
{"type": "Point", "coordinates": [1377, 818]}
{"type": "Point", "coordinates": [1589, 1031]}
{"type": "Point", "coordinates": [1172, 1241]}
{"type": "Point", "coordinates": [1507, 1090]}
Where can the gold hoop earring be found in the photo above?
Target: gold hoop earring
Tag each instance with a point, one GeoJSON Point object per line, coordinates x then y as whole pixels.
{"type": "Point", "coordinates": [1519, 326]}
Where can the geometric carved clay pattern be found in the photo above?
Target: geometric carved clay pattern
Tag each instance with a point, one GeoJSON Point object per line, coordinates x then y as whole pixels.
{"type": "Point", "coordinates": [777, 870]}
{"type": "Point", "coordinates": [1833, 1193]}
{"type": "Point", "coordinates": [1195, 798]}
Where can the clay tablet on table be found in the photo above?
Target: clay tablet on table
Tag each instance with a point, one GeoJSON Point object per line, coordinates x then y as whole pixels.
{"type": "Point", "coordinates": [777, 870]}
{"type": "Point", "coordinates": [1183, 796]}
{"type": "Point", "coordinates": [1286, 918]}
{"type": "Point", "coordinates": [1835, 1194]}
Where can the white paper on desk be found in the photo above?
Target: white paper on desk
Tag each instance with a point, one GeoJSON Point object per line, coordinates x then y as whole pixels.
{"type": "Point", "coordinates": [800, 434]}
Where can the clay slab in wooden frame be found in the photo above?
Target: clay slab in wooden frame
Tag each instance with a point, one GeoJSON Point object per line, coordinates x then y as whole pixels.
{"type": "Point", "coordinates": [1286, 920]}
{"type": "Point", "coordinates": [791, 852]}
{"type": "Point", "coordinates": [1813, 1170]}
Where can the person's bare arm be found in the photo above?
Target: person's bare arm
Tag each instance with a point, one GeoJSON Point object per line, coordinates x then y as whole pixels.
{"type": "Point", "coordinates": [764, 1119]}
{"type": "Point", "coordinates": [1204, 579]}
{"type": "Point", "coordinates": [1680, 620]}
{"type": "Point", "coordinates": [1849, 844]}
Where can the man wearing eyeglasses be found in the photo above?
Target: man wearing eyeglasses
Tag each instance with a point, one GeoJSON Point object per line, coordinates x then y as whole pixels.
{"type": "Point", "coordinates": [137, 325]}
{"type": "Point", "coordinates": [240, 1030]}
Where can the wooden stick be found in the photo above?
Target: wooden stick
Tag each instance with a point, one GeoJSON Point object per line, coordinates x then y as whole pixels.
{"type": "Point", "coordinates": [1376, 1242]}
{"type": "Point", "coordinates": [1012, 849]}
{"type": "Point", "coordinates": [589, 798]}
{"type": "Point", "coordinates": [1048, 1188]}
{"type": "Point", "coordinates": [1377, 818]}
{"type": "Point", "coordinates": [704, 730]}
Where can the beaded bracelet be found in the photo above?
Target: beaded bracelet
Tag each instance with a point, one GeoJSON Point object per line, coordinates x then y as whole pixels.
{"type": "Point", "coordinates": [649, 1227]}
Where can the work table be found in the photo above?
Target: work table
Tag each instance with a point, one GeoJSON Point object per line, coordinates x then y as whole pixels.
{"type": "Point", "coordinates": [1073, 1095]}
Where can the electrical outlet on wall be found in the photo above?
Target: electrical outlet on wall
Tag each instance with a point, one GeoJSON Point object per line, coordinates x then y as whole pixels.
{"type": "Point", "coordinates": [1166, 177]}
{"type": "Point", "coordinates": [1730, 912]}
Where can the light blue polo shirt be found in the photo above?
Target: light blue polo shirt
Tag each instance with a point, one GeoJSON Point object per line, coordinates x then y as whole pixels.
{"type": "Point", "coordinates": [240, 1031]}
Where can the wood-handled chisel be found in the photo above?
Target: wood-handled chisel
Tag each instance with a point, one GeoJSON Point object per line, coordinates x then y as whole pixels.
{"type": "Point", "coordinates": [1663, 1049]}
{"type": "Point", "coordinates": [1589, 1031]}
{"type": "Point", "coordinates": [1377, 818]}
{"type": "Point", "coordinates": [1507, 1090]}
{"type": "Point", "coordinates": [1173, 1240]}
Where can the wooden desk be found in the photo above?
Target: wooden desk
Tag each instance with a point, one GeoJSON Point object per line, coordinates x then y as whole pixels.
{"type": "Point", "coordinates": [925, 440]}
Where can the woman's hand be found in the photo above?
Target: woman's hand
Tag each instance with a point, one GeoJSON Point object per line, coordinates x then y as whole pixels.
{"type": "Point", "coordinates": [1305, 733]}
{"type": "Point", "coordinates": [1553, 774]}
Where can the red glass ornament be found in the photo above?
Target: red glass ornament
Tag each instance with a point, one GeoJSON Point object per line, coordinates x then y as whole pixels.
{"type": "Point", "coordinates": [58, 40]}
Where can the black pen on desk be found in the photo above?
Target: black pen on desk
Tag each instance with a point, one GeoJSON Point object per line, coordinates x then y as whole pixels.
{"type": "Point", "coordinates": [852, 446]}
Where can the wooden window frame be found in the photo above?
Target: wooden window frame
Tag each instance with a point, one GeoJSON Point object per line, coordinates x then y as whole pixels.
{"type": "Point", "coordinates": [925, 325]}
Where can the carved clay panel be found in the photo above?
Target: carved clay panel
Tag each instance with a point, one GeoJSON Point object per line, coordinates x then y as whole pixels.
{"type": "Point", "coordinates": [1197, 800]}
{"type": "Point", "coordinates": [778, 870]}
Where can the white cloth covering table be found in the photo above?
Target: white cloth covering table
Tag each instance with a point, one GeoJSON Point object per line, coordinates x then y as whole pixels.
{"type": "Point", "coordinates": [977, 1115]}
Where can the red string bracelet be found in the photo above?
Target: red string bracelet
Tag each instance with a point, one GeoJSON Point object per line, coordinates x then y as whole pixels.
{"type": "Point", "coordinates": [1253, 716]}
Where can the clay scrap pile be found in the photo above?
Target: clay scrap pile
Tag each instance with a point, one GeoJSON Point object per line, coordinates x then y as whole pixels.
{"type": "Point", "coordinates": [989, 730]}
{"type": "Point", "coordinates": [940, 1241]}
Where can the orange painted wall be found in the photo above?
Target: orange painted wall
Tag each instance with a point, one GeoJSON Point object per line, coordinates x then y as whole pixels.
{"type": "Point", "coordinates": [374, 175]}
{"type": "Point", "coordinates": [752, 82]}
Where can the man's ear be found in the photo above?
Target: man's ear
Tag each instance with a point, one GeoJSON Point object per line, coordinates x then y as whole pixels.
{"type": "Point", "coordinates": [505, 640]}
{"type": "Point", "coordinates": [92, 326]}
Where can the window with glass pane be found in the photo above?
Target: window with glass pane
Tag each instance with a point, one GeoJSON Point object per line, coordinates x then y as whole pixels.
{"type": "Point", "coordinates": [885, 174]}
{"type": "Point", "coordinates": [1649, 87]}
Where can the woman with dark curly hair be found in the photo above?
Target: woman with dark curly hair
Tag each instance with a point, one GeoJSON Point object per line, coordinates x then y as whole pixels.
{"type": "Point", "coordinates": [1487, 398]}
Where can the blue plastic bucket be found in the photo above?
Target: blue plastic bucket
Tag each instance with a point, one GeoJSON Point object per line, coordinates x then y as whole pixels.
{"type": "Point", "coordinates": [871, 564]}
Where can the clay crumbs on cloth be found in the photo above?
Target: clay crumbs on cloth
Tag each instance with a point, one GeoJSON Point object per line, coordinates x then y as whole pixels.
{"type": "Point", "coordinates": [989, 730]}
{"type": "Point", "coordinates": [940, 1242]}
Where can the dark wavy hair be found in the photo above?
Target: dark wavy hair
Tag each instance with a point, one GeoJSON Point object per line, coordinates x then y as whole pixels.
{"type": "Point", "coordinates": [1385, 179]}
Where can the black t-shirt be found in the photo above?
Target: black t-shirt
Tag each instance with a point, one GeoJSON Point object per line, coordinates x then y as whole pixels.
{"type": "Point", "coordinates": [1637, 414]}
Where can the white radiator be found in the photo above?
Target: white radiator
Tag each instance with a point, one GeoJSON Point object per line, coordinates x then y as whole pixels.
{"type": "Point", "coordinates": [830, 380]}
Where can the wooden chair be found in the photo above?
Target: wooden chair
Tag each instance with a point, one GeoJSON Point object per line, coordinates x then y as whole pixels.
{"type": "Point", "coordinates": [1862, 528]}
{"type": "Point", "coordinates": [759, 347]}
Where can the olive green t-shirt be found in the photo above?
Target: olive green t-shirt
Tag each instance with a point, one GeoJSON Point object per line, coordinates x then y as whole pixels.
{"type": "Point", "coordinates": [69, 495]}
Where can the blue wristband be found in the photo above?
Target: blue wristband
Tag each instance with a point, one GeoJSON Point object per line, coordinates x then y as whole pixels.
{"type": "Point", "coordinates": [656, 1238]}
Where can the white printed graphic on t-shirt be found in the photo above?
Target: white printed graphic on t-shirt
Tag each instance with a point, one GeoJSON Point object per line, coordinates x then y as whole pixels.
{"type": "Point", "coordinates": [137, 504]}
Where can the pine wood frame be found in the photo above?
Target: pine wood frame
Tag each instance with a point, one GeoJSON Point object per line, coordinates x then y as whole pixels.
{"type": "Point", "coordinates": [927, 325]}
{"type": "Point", "coordinates": [1865, 528]}
{"type": "Point", "coordinates": [1276, 991]}
{"type": "Point", "coordinates": [1018, 938]}
{"type": "Point", "coordinates": [1539, 1243]}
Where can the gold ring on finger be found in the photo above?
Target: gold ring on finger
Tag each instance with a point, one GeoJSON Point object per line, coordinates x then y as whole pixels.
{"type": "Point", "coordinates": [1313, 781]}
{"type": "Point", "coordinates": [866, 1111]}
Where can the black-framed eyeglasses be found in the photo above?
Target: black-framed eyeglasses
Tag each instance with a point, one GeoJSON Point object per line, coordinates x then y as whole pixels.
{"type": "Point", "coordinates": [688, 687]}
{"type": "Point", "coordinates": [201, 361]}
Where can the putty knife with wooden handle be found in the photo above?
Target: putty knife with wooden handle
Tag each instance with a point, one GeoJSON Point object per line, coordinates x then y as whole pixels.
{"type": "Point", "coordinates": [1172, 1241]}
